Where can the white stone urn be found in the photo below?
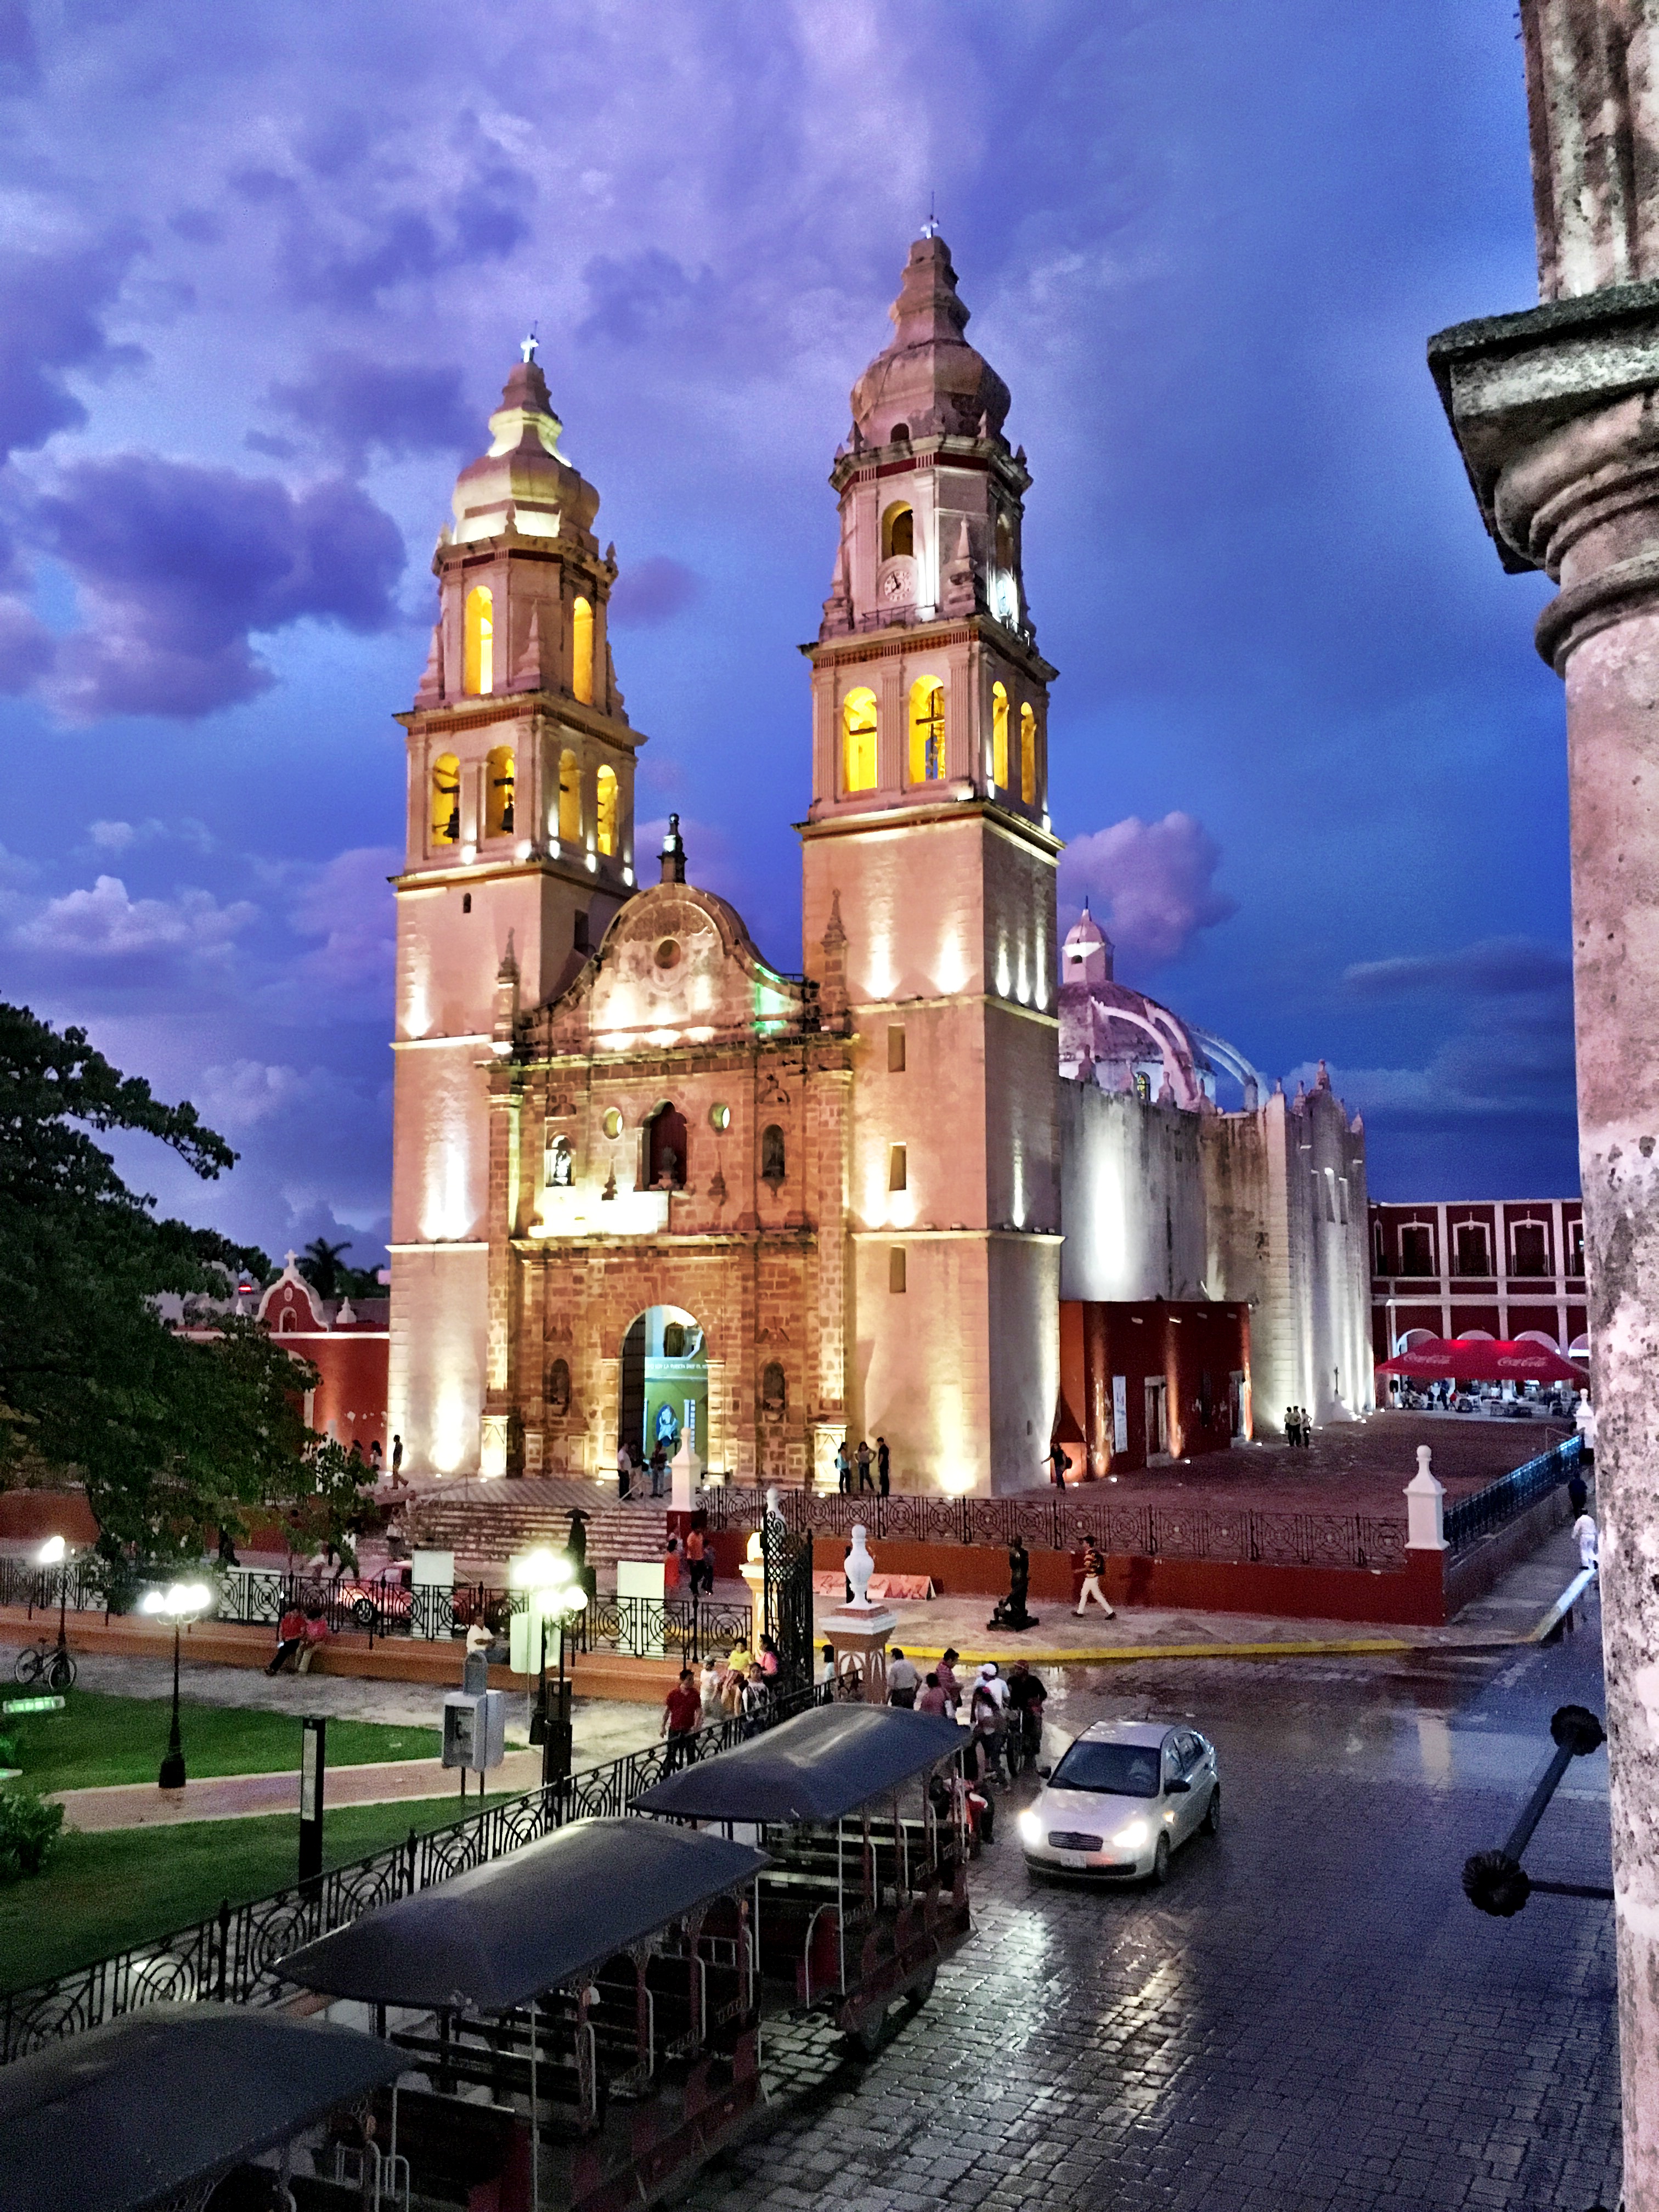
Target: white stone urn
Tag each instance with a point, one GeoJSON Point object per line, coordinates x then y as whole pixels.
{"type": "Point", "coordinates": [859, 1568]}
{"type": "Point", "coordinates": [774, 1509]}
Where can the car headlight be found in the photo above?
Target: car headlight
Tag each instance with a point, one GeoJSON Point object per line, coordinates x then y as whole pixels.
{"type": "Point", "coordinates": [1030, 1828]}
{"type": "Point", "coordinates": [1134, 1838]}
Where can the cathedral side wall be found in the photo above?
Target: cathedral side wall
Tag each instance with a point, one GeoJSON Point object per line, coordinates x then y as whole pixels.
{"type": "Point", "coordinates": [437, 1356]}
{"type": "Point", "coordinates": [1024, 1298]}
{"type": "Point", "coordinates": [1132, 1199]}
{"type": "Point", "coordinates": [919, 1360]}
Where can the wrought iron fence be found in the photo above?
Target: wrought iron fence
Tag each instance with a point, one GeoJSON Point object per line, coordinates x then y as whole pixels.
{"type": "Point", "coordinates": [39, 1589]}
{"type": "Point", "coordinates": [1049, 1521]}
{"type": "Point", "coordinates": [1501, 1501]}
{"type": "Point", "coordinates": [236, 1956]}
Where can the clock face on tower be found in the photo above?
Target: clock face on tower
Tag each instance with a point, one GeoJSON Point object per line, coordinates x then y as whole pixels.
{"type": "Point", "coordinates": [892, 585]}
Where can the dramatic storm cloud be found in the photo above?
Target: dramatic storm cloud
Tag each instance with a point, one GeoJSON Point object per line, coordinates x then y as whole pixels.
{"type": "Point", "coordinates": [262, 276]}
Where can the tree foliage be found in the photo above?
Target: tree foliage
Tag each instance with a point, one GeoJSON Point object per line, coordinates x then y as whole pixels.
{"type": "Point", "coordinates": [173, 1437]}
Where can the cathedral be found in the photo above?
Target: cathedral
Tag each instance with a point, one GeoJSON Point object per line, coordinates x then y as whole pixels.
{"type": "Point", "coordinates": [648, 1189]}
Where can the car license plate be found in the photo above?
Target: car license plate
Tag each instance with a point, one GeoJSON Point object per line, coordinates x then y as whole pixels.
{"type": "Point", "coordinates": [1074, 1860]}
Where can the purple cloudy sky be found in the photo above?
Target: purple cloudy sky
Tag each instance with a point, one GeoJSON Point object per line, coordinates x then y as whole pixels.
{"type": "Point", "coordinates": [262, 272]}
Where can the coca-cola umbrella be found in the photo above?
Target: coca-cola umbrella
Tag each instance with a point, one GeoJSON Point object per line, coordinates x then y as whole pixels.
{"type": "Point", "coordinates": [1482, 1359]}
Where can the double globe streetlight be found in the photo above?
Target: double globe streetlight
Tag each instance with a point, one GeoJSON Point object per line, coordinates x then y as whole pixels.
{"type": "Point", "coordinates": [549, 1582]}
{"type": "Point", "coordinates": [182, 1602]}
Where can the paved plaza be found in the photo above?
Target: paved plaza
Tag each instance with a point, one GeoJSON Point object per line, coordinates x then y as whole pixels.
{"type": "Point", "coordinates": [1310, 2016]}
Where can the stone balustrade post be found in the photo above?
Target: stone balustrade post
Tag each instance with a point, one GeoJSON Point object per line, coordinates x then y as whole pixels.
{"type": "Point", "coordinates": [1425, 1508]}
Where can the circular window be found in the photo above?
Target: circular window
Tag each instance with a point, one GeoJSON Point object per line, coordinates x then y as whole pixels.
{"type": "Point", "coordinates": [719, 1117]}
{"type": "Point", "coordinates": [612, 1123]}
{"type": "Point", "coordinates": [667, 953]}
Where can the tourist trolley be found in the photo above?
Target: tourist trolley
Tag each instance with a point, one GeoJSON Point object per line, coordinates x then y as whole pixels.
{"type": "Point", "coordinates": [859, 1812]}
{"type": "Point", "coordinates": [582, 2015]}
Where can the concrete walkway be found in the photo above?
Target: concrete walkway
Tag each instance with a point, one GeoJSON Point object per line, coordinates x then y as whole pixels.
{"type": "Point", "coordinates": [246, 1797]}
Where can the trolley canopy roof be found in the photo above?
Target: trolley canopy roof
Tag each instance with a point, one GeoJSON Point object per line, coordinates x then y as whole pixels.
{"type": "Point", "coordinates": [825, 1763]}
{"type": "Point", "coordinates": [505, 1932]}
{"type": "Point", "coordinates": [129, 2114]}
{"type": "Point", "coordinates": [1481, 1359]}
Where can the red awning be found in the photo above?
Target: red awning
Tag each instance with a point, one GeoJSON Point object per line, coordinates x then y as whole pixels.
{"type": "Point", "coordinates": [1481, 1359]}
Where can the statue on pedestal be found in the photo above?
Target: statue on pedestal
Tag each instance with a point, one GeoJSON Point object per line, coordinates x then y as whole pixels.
{"type": "Point", "coordinates": [1011, 1611]}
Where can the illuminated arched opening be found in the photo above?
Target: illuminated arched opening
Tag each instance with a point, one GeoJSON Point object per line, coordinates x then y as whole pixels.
{"type": "Point", "coordinates": [1004, 543]}
{"type": "Point", "coordinates": [664, 1383]}
{"type": "Point", "coordinates": [498, 793]}
{"type": "Point", "coordinates": [858, 725]}
{"type": "Point", "coordinates": [1028, 776]}
{"type": "Point", "coordinates": [998, 737]}
{"type": "Point", "coordinates": [570, 800]}
{"type": "Point", "coordinates": [928, 731]}
{"type": "Point", "coordinates": [581, 650]}
{"type": "Point", "coordinates": [605, 820]}
{"type": "Point", "coordinates": [446, 800]}
{"type": "Point", "coordinates": [480, 639]}
{"type": "Point", "coordinates": [898, 530]}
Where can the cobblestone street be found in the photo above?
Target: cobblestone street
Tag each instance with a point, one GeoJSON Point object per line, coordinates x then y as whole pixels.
{"type": "Point", "coordinates": [1310, 2016]}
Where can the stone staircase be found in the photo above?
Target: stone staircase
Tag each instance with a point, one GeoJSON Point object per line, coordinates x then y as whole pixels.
{"type": "Point", "coordinates": [485, 1523]}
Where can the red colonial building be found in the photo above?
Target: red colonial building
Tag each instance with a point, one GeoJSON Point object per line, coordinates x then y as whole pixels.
{"type": "Point", "coordinates": [1509, 1269]}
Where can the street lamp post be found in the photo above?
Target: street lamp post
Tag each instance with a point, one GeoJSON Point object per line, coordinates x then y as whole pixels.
{"type": "Point", "coordinates": [547, 1576]}
{"type": "Point", "coordinates": [183, 1601]}
{"type": "Point", "coordinates": [55, 1552]}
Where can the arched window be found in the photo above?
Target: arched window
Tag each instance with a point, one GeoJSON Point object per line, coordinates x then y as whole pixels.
{"type": "Point", "coordinates": [581, 650]}
{"type": "Point", "coordinates": [498, 793]}
{"type": "Point", "coordinates": [772, 1161]}
{"type": "Point", "coordinates": [446, 800]}
{"type": "Point", "coordinates": [898, 530]}
{"type": "Point", "coordinates": [570, 800]}
{"type": "Point", "coordinates": [858, 724]}
{"type": "Point", "coordinates": [480, 639]}
{"type": "Point", "coordinates": [928, 731]}
{"type": "Point", "coordinates": [604, 817]}
{"type": "Point", "coordinates": [998, 737]}
{"type": "Point", "coordinates": [1027, 757]}
{"type": "Point", "coordinates": [559, 1165]}
{"type": "Point", "coordinates": [665, 1152]}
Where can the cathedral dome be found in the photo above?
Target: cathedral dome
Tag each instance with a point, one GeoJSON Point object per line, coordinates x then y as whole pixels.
{"type": "Point", "coordinates": [523, 482]}
{"type": "Point", "coordinates": [929, 382]}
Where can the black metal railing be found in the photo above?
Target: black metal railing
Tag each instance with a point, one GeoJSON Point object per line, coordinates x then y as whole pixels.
{"type": "Point", "coordinates": [1513, 1494]}
{"type": "Point", "coordinates": [235, 1956]}
{"type": "Point", "coordinates": [1051, 1522]}
{"type": "Point", "coordinates": [37, 1589]}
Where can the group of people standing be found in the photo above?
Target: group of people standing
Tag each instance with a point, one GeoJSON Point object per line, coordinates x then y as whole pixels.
{"type": "Point", "coordinates": [863, 1459]}
{"type": "Point", "coordinates": [1299, 1428]}
{"type": "Point", "coordinates": [737, 1687]}
{"type": "Point", "coordinates": [656, 1467]}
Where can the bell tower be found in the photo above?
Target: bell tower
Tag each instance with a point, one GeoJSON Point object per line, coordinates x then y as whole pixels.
{"type": "Point", "coordinates": [928, 837]}
{"type": "Point", "coordinates": [519, 850]}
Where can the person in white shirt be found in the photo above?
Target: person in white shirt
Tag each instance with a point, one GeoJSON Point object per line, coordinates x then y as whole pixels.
{"type": "Point", "coordinates": [1588, 1541]}
{"type": "Point", "coordinates": [902, 1680]}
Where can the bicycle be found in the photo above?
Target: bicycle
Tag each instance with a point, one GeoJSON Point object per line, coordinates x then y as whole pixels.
{"type": "Point", "coordinates": [50, 1665]}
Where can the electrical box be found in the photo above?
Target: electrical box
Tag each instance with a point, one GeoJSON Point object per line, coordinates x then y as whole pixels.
{"type": "Point", "coordinates": [475, 1729]}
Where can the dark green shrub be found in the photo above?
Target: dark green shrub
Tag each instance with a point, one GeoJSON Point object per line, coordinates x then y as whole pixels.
{"type": "Point", "coordinates": [28, 1831]}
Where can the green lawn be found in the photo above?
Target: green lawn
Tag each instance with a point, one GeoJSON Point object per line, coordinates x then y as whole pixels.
{"type": "Point", "coordinates": [101, 1893]}
{"type": "Point", "coordinates": [98, 1739]}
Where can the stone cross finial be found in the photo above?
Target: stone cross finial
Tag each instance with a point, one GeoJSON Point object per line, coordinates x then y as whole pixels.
{"type": "Point", "coordinates": [527, 346]}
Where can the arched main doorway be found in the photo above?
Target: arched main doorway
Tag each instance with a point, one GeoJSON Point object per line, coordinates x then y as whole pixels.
{"type": "Point", "coordinates": [665, 1382]}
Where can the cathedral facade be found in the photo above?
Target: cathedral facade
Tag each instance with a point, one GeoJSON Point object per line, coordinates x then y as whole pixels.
{"type": "Point", "coordinates": [647, 1187]}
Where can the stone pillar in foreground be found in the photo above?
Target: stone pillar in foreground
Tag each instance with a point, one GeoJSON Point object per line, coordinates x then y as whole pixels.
{"type": "Point", "coordinates": [1557, 413]}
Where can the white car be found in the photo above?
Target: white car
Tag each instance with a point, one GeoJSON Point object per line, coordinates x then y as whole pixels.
{"type": "Point", "coordinates": [1122, 1801]}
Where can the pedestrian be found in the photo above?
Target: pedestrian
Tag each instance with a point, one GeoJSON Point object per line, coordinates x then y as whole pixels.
{"type": "Point", "coordinates": [932, 1700]}
{"type": "Point", "coordinates": [903, 1681]}
{"type": "Point", "coordinates": [1026, 1699]}
{"type": "Point", "coordinates": [699, 1567]}
{"type": "Point", "coordinates": [317, 1633]}
{"type": "Point", "coordinates": [948, 1682]}
{"type": "Point", "coordinates": [397, 1459]}
{"type": "Point", "coordinates": [864, 1456]}
{"type": "Point", "coordinates": [681, 1714]}
{"type": "Point", "coordinates": [673, 1560]}
{"type": "Point", "coordinates": [624, 1471]}
{"type": "Point", "coordinates": [290, 1638]}
{"type": "Point", "coordinates": [708, 1690]}
{"type": "Point", "coordinates": [987, 1728]}
{"type": "Point", "coordinates": [883, 1467]}
{"type": "Point", "coordinates": [756, 1703]}
{"type": "Point", "coordinates": [376, 1458]}
{"type": "Point", "coordinates": [843, 1468]}
{"type": "Point", "coordinates": [1056, 1463]}
{"type": "Point", "coordinates": [658, 1470]}
{"type": "Point", "coordinates": [1588, 1539]}
{"type": "Point", "coordinates": [1577, 1492]}
{"type": "Point", "coordinates": [1094, 1566]}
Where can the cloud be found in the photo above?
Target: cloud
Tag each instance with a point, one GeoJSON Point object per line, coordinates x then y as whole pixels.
{"type": "Point", "coordinates": [652, 590]}
{"type": "Point", "coordinates": [104, 923]}
{"type": "Point", "coordinates": [179, 564]}
{"type": "Point", "coordinates": [242, 1093]}
{"type": "Point", "coordinates": [28, 647]}
{"type": "Point", "coordinates": [50, 308]}
{"type": "Point", "coordinates": [1150, 884]}
{"type": "Point", "coordinates": [122, 837]}
{"type": "Point", "coordinates": [1495, 968]}
{"type": "Point", "coordinates": [353, 401]}
{"type": "Point", "coordinates": [348, 904]}
{"type": "Point", "coordinates": [638, 297]}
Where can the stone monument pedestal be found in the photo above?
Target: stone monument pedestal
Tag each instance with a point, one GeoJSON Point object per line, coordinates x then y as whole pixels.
{"type": "Point", "coordinates": [862, 1632]}
{"type": "Point", "coordinates": [755, 1575]}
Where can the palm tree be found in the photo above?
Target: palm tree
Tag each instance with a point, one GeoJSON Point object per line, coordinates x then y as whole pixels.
{"type": "Point", "coordinates": [320, 1265]}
